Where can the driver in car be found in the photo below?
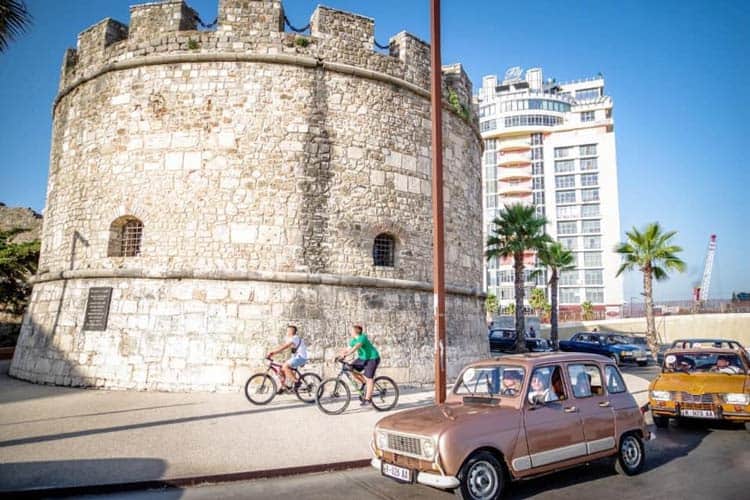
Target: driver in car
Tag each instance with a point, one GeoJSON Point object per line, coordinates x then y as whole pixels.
{"type": "Point", "coordinates": [511, 383]}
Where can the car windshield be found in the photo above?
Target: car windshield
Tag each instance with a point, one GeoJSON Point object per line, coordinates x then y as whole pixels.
{"type": "Point", "coordinates": [703, 362]}
{"type": "Point", "coordinates": [500, 380]}
{"type": "Point", "coordinates": [637, 340]}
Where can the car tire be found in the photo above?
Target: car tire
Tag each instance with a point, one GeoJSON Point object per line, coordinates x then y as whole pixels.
{"type": "Point", "coordinates": [661, 421]}
{"type": "Point", "coordinates": [642, 363]}
{"type": "Point", "coordinates": [631, 455]}
{"type": "Point", "coordinates": [482, 477]}
{"type": "Point", "coordinates": [614, 357]}
{"type": "Point", "coordinates": [747, 426]}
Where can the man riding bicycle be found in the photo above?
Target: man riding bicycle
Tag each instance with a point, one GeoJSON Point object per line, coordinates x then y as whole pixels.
{"type": "Point", "coordinates": [298, 359]}
{"type": "Point", "coordinates": [366, 363]}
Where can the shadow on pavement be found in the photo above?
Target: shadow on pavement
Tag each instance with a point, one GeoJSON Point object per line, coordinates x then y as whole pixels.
{"type": "Point", "coordinates": [82, 415]}
{"type": "Point", "coordinates": [59, 475]}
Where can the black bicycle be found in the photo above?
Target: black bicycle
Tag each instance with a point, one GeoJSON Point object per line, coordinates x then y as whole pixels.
{"type": "Point", "coordinates": [261, 388]}
{"type": "Point", "coordinates": [333, 395]}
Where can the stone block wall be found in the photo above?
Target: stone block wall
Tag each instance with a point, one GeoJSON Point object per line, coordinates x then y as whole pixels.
{"type": "Point", "coordinates": [253, 163]}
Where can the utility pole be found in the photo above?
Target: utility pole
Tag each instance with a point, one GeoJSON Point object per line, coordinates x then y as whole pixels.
{"type": "Point", "coordinates": [438, 239]}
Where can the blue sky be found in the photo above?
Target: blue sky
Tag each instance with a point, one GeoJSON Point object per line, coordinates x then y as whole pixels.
{"type": "Point", "coordinates": [677, 70]}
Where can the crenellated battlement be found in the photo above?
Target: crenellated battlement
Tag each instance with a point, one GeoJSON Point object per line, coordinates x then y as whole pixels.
{"type": "Point", "coordinates": [246, 28]}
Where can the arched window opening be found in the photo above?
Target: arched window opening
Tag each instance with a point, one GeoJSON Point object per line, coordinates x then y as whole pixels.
{"type": "Point", "coordinates": [384, 250]}
{"type": "Point", "coordinates": [125, 236]}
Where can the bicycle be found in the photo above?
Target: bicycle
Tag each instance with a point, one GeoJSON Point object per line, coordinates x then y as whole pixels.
{"type": "Point", "coordinates": [261, 388]}
{"type": "Point", "coordinates": [333, 395]}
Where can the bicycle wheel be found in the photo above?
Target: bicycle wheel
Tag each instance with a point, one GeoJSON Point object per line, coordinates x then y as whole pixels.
{"type": "Point", "coordinates": [384, 393]}
{"type": "Point", "coordinates": [333, 396]}
{"type": "Point", "coordinates": [260, 389]}
{"type": "Point", "coordinates": [308, 387]}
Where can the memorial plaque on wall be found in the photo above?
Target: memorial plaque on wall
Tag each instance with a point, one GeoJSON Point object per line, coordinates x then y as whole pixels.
{"type": "Point", "coordinates": [97, 308]}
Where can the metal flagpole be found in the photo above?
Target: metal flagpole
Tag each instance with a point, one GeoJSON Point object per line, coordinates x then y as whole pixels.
{"type": "Point", "coordinates": [438, 240]}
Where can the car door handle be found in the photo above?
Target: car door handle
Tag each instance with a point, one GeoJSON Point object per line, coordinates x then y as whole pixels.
{"type": "Point", "coordinates": [571, 409]}
{"type": "Point", "coordinates": [604, 404]}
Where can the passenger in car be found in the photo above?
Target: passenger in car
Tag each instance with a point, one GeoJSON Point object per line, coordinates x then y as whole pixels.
{"type": "Point", "coordinates": [723, 366]}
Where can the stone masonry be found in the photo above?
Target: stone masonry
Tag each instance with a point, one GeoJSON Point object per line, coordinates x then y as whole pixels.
{"type": "Point", "coordinates": [262, 164]}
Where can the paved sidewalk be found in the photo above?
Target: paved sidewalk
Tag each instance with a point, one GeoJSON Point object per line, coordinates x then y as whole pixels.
{"type": "Point", "coordinates": [59, 437]}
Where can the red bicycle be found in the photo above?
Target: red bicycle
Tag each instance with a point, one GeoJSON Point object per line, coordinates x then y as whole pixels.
{"type": "Point", "coordinates": [261, 388]}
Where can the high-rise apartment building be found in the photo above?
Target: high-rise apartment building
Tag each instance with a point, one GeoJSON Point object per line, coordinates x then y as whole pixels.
{"type": "Point", "coordinates": [552, 145]}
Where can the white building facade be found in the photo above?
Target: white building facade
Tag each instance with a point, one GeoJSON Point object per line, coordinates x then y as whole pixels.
{"type": "Point", "coordinates": [552, 145]}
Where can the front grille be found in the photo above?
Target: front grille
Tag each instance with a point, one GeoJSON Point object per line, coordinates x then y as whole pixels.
{"type": "Point", "coordinates": [404, 444]}
{"type": "Point", "coordinates": [697, 406]}
{"type": "Point", "coordinates": [686, 397]}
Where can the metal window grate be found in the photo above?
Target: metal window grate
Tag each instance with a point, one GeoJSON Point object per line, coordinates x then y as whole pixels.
{"type": "Point", "coordinates": [132, 232]}
{"type": "Point", "coordinates": [383, 250]}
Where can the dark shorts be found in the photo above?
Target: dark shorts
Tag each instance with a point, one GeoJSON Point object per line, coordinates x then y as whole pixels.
{"type": "Point", "coordinates": [367, 367]}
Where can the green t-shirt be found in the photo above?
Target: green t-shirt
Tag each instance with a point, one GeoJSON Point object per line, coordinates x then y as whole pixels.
{"type": "Point", "coordinates": [366, 349]}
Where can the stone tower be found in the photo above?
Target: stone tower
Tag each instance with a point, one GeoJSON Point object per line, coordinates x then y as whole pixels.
{"type": "Point", "coordinates": [206, 188]}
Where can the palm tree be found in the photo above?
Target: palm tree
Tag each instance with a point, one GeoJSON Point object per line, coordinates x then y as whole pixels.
{"type": "Point", "coordinates": [652, 252]}
{"type": "Point", "coordinates": [14, 20]}
{"type": "Point", "coordinates": [558, 259]}
{"type": "Point", "coordinates": [516, 230]}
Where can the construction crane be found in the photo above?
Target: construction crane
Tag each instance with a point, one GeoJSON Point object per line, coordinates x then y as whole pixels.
{"type": "Point", "coordinates": [701, 293]}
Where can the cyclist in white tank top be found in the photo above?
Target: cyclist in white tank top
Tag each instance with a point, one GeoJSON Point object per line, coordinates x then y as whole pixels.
{"type": "Point", "coordinates": [299, 357]}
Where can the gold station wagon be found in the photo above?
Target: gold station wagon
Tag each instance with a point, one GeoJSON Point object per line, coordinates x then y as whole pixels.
{"type": "Point", "coordinates": [697, 382]}
{"type": "Point", "coordinates": [513, 418]}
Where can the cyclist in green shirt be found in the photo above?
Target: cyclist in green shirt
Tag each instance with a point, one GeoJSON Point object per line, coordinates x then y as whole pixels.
{"type": "Point", "coordinates": [367, 360]}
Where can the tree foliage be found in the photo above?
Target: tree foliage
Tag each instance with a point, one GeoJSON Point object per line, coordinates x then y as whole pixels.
{"type": "Point", "coordinates": [651, 252]}
{"type": "Point", "coordinates": [587, 310]}
{"type": "Point", "coordinates": [538, 300]}
{"type": "Point", "coordinates": [14, 20]}
{"type": "Point", "coordinates": [491, 304]}
{"type": "Point", "coordinates": [515, 230]}
{"type": "Point", "coordinates": [18, 262]}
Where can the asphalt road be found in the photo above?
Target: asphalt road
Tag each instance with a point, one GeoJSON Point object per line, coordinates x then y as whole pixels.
{"type": "Point", "coordinates": [691, 460]}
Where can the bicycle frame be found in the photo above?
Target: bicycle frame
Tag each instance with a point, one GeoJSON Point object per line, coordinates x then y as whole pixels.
{"type": "Point", "coordinates": [347, 372]}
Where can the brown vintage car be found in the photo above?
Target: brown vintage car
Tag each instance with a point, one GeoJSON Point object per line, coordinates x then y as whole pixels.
{"type": "Point", "coordinates": [513, 418]}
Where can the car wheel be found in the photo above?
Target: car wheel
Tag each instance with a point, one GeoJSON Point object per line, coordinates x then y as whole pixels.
{"type": "Point", "coordinates": [614, 357]}
{"type": "Point", "coordinates": [482, 478]}
{"type": "Point", "coordinates": [631, 455]}
{"type": "Point", "coordinates": [642, 363]}
{"type": "Point", "coordinates": [661, 421]}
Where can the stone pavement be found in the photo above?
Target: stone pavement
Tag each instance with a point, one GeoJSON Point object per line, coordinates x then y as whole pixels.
{"type": "Point", "coordinates": [59, 437]}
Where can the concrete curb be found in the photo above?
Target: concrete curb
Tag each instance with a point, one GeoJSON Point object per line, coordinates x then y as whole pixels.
{"type": "Point", "coordinates": [182, 482]}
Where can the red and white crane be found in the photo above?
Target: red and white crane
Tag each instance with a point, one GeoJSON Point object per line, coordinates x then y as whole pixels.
{"type": "Point", "coordinates": [701, 293]}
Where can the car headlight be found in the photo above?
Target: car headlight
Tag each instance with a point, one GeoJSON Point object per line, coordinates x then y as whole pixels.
{"type": "Point", "coordinates": [737, 398]}
{"type": "Point", "coordinates": [661, 395]}
{"type": "Point", "coordinates": [381, 440]}
{"type": "Point", "coordinates": [428, 449]}
{"type": "Point", "coordinates": [626, 353]}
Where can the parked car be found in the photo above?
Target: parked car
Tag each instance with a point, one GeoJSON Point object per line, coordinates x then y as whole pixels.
{"type": "Point", "coordinates": [616, 347]}
{"type": "Point", "coordinates": [513, 418]}
{"type": "Point", "coordinates": [642, 342]}
{"type": "Point", "coordinates": [702, 382]}
{"type": "Point", "coordinates": [504, 339]}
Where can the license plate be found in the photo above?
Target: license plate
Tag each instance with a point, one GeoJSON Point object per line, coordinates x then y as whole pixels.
{"type": "Point", "coordinates": [396, 472]}
{"type": "Point", "coordinates": [698, 413]}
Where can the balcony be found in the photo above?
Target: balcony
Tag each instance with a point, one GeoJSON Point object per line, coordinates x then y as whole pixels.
{"type": "Point", "coordinates": [514, 145]}
{"type": "Point", "coordinates": [514, 159]}
{"type": "Point", "coordinates": [514, 174]}
{"type": "Point", "coordinates": [516, 189]}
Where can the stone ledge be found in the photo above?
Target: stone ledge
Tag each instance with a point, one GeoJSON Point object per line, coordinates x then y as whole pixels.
{"type": "Point", "coordinates": [264, 276]}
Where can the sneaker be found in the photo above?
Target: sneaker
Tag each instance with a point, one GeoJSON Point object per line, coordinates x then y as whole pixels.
{"type": "Point", "coordinates": [297, 385]}
{"type": "Point", "coordinates": [365, 402]}
{"type": "Point", "coordinates": [281, 390]}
